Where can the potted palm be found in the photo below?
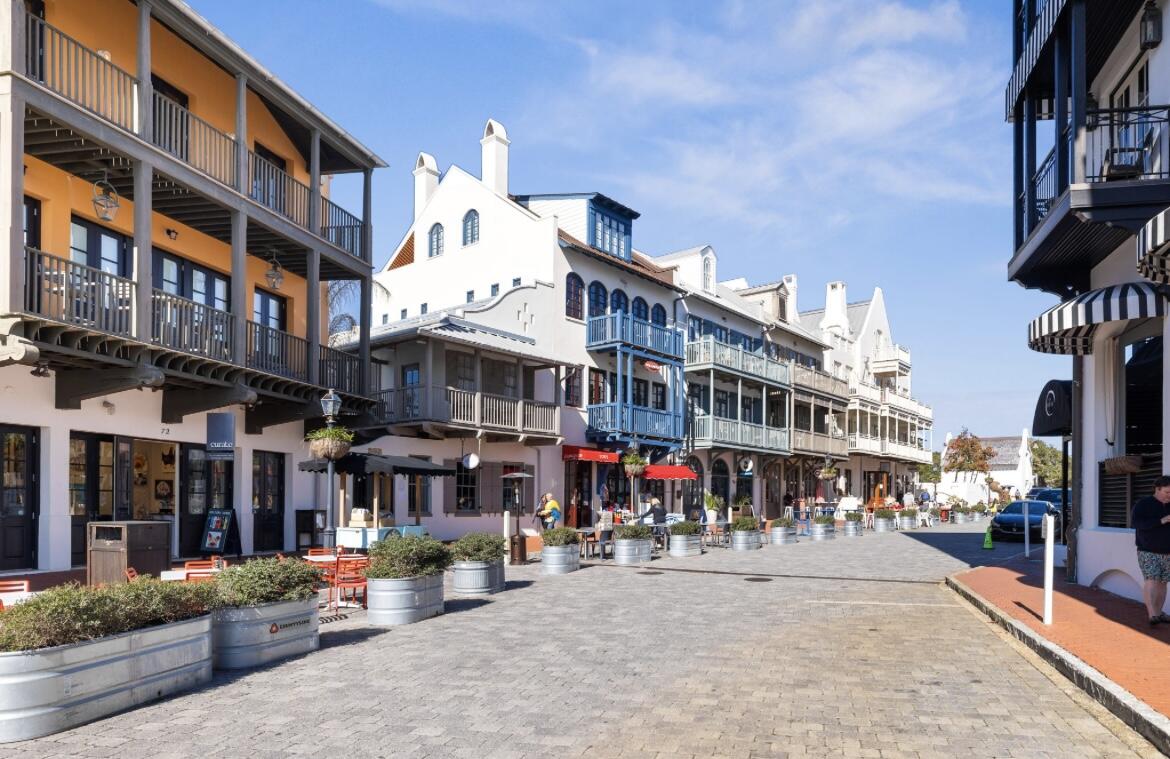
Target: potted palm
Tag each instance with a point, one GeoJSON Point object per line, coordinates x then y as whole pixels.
{"type": "Point", "coordinates": [405, 579]}
{"type": "Point", "coordinates": [632, 543]}
{"type": "Point", "coordinates": [907, 519]}
{"type": "Point", "coordinates": [268, 611]}
{"type": "Point", "coordinates": [884, 520]}
{"type": "Point", "coordinates": [853, 526]}
{"type": "Point", "coordinates": [978, 510]}
{"type": "Point", "coordinates": [561, 553]}
{"type": "Point", "coordinates": [329, 442]}
{"type": "Point", "coordinates": [76, 653]}
{"type": "Point", "coordinates": [686, 539]}
{"type": "Point", "coordinates": [783, 532]}
{"type": "Point", "coordinates": [714, 504]}
{"type": "Point", "coordinates": [634, 463]}
{"type": "Point", "coordinates": [479, 563]}
{"type": "Point", "coordinates": [822, 528]}
{"type": "Point", "coordinates": [745, 534]}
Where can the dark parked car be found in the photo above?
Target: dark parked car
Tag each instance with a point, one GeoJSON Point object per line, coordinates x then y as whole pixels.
{"type": "Point", "coordinates": [1008, 524]}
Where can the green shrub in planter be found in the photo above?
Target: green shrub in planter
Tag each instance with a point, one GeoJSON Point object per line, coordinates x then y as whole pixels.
{"type": "Point", "coordinates": [745, 524]}
{"type": "Point", "coordinates": [632, 532]}
{"type": "Point", "coordinates": [560, 536]}
{"type": "Point", "coordinates": [75, 613]}
{"type": "Point", "coordinates": [826, 519]}
{"type": "Point", "coordinates": [883, 514]}
{"type": "Point", "coordinates": [479, 546]}
{"type": "Point", "coordinates": [934, 513]}
{"type": "Point", "coordinates": [407, 556]}
{"type": "Point", "coordinates": [262, 581]}
{"type": "Point", "coordinates": [852, 516]}
{"type": "Point", "coordinates": [909, 513]}
{"type": "Point", "coordinates": [979, 508]}
{"type": "Point", "coordinates": [783, 523]}
{"type": "Point", "coordinates": [686, 528]}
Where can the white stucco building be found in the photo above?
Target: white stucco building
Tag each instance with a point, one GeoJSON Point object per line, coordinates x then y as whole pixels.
{"type": "Point", "coordinates": [1010, 467]}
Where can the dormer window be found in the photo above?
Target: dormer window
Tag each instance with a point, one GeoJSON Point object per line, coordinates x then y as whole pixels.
{"type": "Point", "coordinates": [781, 307]}
{"type": "Point", "coordinates": [708, 274]}
{"type": "Point", "coordinates": [609, 232]}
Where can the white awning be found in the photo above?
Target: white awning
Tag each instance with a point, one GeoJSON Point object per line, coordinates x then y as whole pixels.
{"type": "Point", "coordinates": [1153, 249]}
{"type": "Point", "coordinates": [1068, 328]}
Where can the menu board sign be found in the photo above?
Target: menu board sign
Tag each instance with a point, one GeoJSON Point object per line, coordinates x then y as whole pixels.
{"type": "Point", "coordinates": [216, 530]}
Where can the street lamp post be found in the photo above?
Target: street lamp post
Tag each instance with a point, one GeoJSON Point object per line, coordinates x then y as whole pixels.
{"type": "Point", "coordinates": [330, 405]}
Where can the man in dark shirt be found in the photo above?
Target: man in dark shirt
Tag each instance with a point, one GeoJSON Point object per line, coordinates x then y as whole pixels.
{"type": "Point", "coordinates": [1151, 523]}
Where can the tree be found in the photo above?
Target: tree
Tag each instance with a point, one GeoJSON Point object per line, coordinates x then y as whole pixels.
{"type": "Point", "coordinates": [339, 294]}
{"type": "Point", "coordinates": [966, 454]}
{"type": "Point", "coordinates": [1046, 464]}
{"type": "Point", "coordinates": [932, 472]}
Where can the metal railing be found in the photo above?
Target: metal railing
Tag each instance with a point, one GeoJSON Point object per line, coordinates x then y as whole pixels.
{"type": "Point", "coordinates": [1127, 143]}
{"type": "Point", "coordinates": [906, 402]}
{"type": "Point", "coordinates": [1045, 191]}
{"type": "Point", "coordinates": [625, 418]}
{"type": "Point", "coordinates": [79, 74]}
{"type": "Point", "coordinates": [72, 293]}
{"type": "Point", "coordinates": [184, 325]}
{"type": "Point", "coordinates": [812, 379]}
{"type": "Point", "coordinates": [818, 442]}
{"type": "Point", "coordinates": [708, 351]}
{"type": "Point", "coordinates": [340, 370]}
{"type": "Point", "coordinates": [469, 408]}
{"type": "Point", "coordinates": [193, 141]}
{"type": "Point", "coordinates": [866, 392]}
{"type": "Point", "coordinates": [272, 187]}
{"type": "Point", "coordinates": [277, 352]}
{"type": "Point", "coordinates": [708, 430]}
{"type": "Point", "coordinates": [611, 329]}
{"type": "Point", "coordinates": [864, 443]}
{"type": "Point", "coordinates": [342, 228]}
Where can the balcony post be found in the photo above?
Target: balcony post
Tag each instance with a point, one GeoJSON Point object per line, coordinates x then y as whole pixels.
{"type": "Point", "coordinates": [145, 86]}
{"type": "Point", "coordinates": [365, 313]}
{"type": "Point", "coordinates": [13, 275]}
{"type": "Point", "coordinates": [478, 387]}
{"type": "Point", "coordinates": [143, 250]}
{"type": "Point", "coordinates": [367, 214]}
{"type": "Point", "coordinates": [240, 294]}
{"type": "Point", "coordinates": [739, 407]}
{"type": "Point", "coordinates": [13, 28]}
{"type": "Point", "coordinates": [1078, 86]}
{"type": "Point", "coordinates": [242, 173]}
{"type": "Point", "coordinates": [1060, 92]}
{"type": "Point", "coordinates": [313, 314]}
{"type": "Point", "coordinates": [1029, 161]}
{"type": "Point", "coordinates": [315, 181]}
{"type": "Point", "coordinates": [428, 376]}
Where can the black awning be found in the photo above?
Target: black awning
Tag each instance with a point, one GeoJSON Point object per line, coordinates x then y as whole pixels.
{"type": "Point", "coordinates": [369, 463]}
{"type": "Point", "coordinates": [1053, 417]}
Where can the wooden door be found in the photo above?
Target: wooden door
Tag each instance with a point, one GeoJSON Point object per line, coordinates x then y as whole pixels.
{"type": "Point", "coordinates": [18, 498]}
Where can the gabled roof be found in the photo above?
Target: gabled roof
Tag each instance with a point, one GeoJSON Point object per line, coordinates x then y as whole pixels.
{"type": "Point", "coordinates": [604, 201]}
{"type": "Point", "coordinates": [854, 312]}
{"type": "Point", "coordinates": [639, 264]}
{"type": "Point", "coordinates": [451, 326]}
{"type": "Point", "coordinates": [680, 254]}
{"type": "Point", "coordinates": [1007, 451]}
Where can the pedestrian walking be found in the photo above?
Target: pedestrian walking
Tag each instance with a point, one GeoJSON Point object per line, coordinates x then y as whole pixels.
{"type": "Point", "coordinates": [550, 511]}
{"type": "Point", "coordinates": [1151, 522]}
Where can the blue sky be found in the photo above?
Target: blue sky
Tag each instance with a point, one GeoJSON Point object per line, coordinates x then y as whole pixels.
{"type": "Point", "coordinates": [857, 140]}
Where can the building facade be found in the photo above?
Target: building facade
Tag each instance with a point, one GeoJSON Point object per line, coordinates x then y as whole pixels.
{"type": "Point", "coordinates": [1010, 466]}
{"type": "Point", "coordinates": [1089, 82]}
{"type": "Point", "coordinates": [165, 202]}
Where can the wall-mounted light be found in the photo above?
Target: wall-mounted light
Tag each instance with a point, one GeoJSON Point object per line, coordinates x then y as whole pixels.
{"type": "Point", "coordinates": [1151, 26]}
{"type": "Point", "coordinates": [1092, 118]}
{"type": "Point", "coordinates": [105, 198]}
{"type": "Point", "coordinates": [40, 370]}
{"type": "Point", "coordinates": [109, 407]}
{"type": "Point", "coordinates": [274, 275]}
{"type": "Point", "coordinates": [172, 233]}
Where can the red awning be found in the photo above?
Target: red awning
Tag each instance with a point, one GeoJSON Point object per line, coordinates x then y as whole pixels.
{"type": "Point", "coordinates": [669, 472]}
{"type": "Point", "coordinates": [577, 453]}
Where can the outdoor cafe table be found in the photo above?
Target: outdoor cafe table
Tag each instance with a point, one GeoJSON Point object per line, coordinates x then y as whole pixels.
{"type": "Point", "coordinates": [15, 596]}
{"type": "Point", "coordinates": [328, 559]}
{"type": "Point", "coordinates": [178, 575]}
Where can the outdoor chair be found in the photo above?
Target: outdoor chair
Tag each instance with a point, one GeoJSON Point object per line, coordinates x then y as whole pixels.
{"type": "Point", "coordinates": [131, 574]}
{"type": "Point", "coordinates": [13, 586]}
{"type": "Point", "coordinates": [589, 539]}
{"type": "Point", "coordinates": [199, 566]}
{"type": "Point", "coordinates": [924, 518]}
{"type": "Point", "coordinates": [201, 575]}
{"type": "Point", "coordinates": [350, 577]}
{"type": "Point", "coordinates": [321, 552]}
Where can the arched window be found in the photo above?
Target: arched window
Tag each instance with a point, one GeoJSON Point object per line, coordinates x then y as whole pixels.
{"type": "Point", "coordinates": [618, 302]}
{"type": "Point", "coordinates": [471, 227]}
{"type": "Point", "coordinates": [597, 298]}
{"type": "Point", "coordinates": [435, 241]}
{"type": "Point", "coordinates": [574, 294]}
{"type": "Point", "coordinates": [708, 275]}
{"type": "Point", "coordinates": [721, 480]}
{"type": "Point", "coordinates": [641, 310]}
{"type": "Point", "coordinates": [658, 315]}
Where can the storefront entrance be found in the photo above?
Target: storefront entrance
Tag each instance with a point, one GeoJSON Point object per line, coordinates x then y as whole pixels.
{"type": "Point", "coordinates": [205, 485]}
{"type": "Point", "coordinates": [18, 507]}
{"type": "Point", "coordinates": [578, 492]}
{"type": "Point", "coordinates": [877, 488]}
{"type": "Point", "coordinates": [268, 500]}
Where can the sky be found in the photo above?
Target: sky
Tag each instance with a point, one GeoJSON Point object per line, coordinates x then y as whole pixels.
{"type": "Point", "coordinates": [854, 140]}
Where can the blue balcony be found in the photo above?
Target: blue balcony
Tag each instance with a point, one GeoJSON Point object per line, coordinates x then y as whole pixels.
{"type": "Point", "coordinates": [611, 331]}
{"type": "Point", "coordinates": [626, 422]}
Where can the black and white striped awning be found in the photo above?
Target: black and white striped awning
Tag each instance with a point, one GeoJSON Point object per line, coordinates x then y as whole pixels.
{"type": "Point", "coordinates": [1068, 328]}
{"type": "Point", "coordinates": [1153, 249]}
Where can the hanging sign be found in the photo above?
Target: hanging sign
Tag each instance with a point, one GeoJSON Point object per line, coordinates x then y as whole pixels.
{"type": "Point", "coordinates": [221, 436]}
{"type": "Point", "coordinates": [652, 366]}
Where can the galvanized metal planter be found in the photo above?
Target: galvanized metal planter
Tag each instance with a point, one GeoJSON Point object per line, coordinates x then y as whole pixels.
{"type": "Point", "coordinates": [631, 552]}
{"type": "Point", "coordinates": [854, 529]}
{"type": "Point", "coordinates": [820, 532]}
{"type": "Point", "coordinates": [253, 635]}
{"type": "Point", "coordinates": [780, 536]}
{"type": "Point", "coordinates": [560, 560]}
{"type": "Point", "coordinates": [884, 525]}
{"type": "Point", "coordinates": [53, 689]}
{"type": "Point", "coordinates": [745, 540]}
{"type": "Point", "coordinates": [682, 546]}
{"type": "Point", "coordinates": [478, 578]}
{"type": "Point", "coordinates": [401, 602]}
{"type": "Point", "coordinates": [907, 523]}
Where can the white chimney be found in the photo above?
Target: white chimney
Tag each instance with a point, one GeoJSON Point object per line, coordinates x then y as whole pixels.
{"type": "Point", "coordinates": [426, 181]}
{"type": "Point", "coordinates": [790, 285]}
{"type": "Point", "coordinates": [835, 305]}
{"type": "Point", "coordinates": [494, 164]}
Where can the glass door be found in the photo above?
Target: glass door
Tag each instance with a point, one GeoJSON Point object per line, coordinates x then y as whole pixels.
{"type": "Point", "coordinates": [18, 502]}
{"type": "Point", "coordinates": [193, 504]}
{"type": "Point", "coordinates": [268, 501]}
{"type": "Point", "coordinates": [91, 487]}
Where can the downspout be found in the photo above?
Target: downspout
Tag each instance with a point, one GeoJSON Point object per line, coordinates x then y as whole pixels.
{"type": "Point", "coordinates": [680, 393]}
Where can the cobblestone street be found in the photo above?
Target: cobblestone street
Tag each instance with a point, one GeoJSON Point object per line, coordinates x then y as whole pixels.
{"type": "Point", "coordinates": [848, 648]}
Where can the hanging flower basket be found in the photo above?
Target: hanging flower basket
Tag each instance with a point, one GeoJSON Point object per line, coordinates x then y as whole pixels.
{"type": "Point", "coordinates": [829, 473]}
{"type": "Point", "coordinates": [634, 464]}
{"type": "Point", "coordinates": [328, 449]}
{"type": "Point", "coordinates": [635, 470]}
{"type": "Point", "coordinates": [1123, 465]}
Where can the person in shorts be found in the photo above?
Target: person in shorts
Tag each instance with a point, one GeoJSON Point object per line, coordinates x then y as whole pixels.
{"type": "Point", "coordinates": [1151, 523]}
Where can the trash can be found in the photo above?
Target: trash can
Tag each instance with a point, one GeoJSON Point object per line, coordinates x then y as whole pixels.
{"type": "Point", "coordinates": [114, 547]}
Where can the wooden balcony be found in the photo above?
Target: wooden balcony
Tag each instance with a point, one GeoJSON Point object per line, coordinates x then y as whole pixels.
{"type": "Point", "coordinates": [277, 352]}
{"type": "Point", "coordinates": [819, 443]}
{"type": "Point", "coordinates": [622, 330]}
{"type": "Point", "coordinates": [821, 382]}
{"type": "Point", "coordinates": [626, 421]}
{"type": "Point", "coordinates": [74, 294]}
{"type": "Point", "coordinates": [189, 327]}
{"type": "Point", "coordinates": [469, 409]}
{"type": "Point", "coordinates": [905, 402]}
{"type": "Point", "coordinates": [865, 444]}
{"type": "Point", "coordinates": [707, 353]}
{"type": "Point", "coordinates": [709, 431]}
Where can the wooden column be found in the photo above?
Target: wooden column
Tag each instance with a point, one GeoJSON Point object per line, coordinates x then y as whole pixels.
{"type": "Point", "coordinates": [243, 181]}
{"type": "Point", "coordinates": [365, 309]}
{"type": "Point", "coordinates": [1078, 88]}
{"type": "Point", "coordinates": [313, 298]}
{"type": "Point", "coordinates": [145, 86]}
{"type": "Point", "coordinates": [1060, 89]}
{"type": "Point", "coordinates": [240, 295]}
{"type": "Point", "coordinates": [13, 275]}
{"type": "Point", "coordinates": [143, 250]}
{"type": "Point", "coordinates": [315, 181]}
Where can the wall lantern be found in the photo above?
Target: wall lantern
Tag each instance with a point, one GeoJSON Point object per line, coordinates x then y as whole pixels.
{"type": "Point", "coordinates": [330, 406]}
{"type": "Point", "coordinates": [1092, 117]}
{"type": "Point", "coordinates": [105, 198]}
{"type": "Point", "coordinates": [274, 275]}
{"type": "Point", "coordinates": [1151, 29]}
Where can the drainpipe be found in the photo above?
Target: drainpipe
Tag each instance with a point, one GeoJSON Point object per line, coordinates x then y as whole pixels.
{"type": "Point", "coordinates": [680, 396]}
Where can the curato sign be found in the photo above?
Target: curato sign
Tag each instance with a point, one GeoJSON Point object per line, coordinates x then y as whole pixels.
{"type": "Point", "coordinates": [221, 436]}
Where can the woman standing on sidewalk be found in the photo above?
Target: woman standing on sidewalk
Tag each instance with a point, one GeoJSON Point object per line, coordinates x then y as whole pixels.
{"type": "Point", "coordinates": [1151, 523]}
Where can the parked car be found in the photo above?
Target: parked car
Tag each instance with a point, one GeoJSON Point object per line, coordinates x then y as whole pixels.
{"type": "Point", "coordinates": [1008, 524]}
{"type": "Point", "coordinates": [1055, 496]}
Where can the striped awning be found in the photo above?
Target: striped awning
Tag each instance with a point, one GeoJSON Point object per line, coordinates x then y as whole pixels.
{"type": "Point", "coordinates": [1153, 249]}
{"type": "Point", "coordinates": [1069, 327]}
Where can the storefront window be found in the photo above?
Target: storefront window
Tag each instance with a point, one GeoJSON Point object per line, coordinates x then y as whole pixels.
{"type": "Point", "coordinates": [466, 488]}
{"type": "Point", "coordinates": [1143, 396]}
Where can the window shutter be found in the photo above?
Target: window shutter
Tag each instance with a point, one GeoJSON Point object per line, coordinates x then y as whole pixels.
{"type": "Point", "coordinates": [491, 488]}
{"type": "Point", "coordinates": [448, 488]}
{"type": "Point", "coordinates": [530, 498]}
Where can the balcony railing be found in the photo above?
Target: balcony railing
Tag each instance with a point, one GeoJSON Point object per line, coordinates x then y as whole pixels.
{"type": "Point", "coordinates": [908, 451]}
{"type": "Point", "coordinates": [811, 379]}
{"type": "Point", "coordinates": [340, 370]}
{"type": "Point", "coordinates": [709, 430]}
{"type": "Point", "coordinates": [184, 325]}
{"type": "Point", "coordinates": [709, 352]}
{"type": "Point", "coordinates": [892, 353]}
{"type": "Point", "coordinates": [866, 392]}
{"type": "Point", "coordinates": [342, 228]}
{"type": "Point", "coordinates": [635, 421]}
{"type": "Point", "coordinates": [905, 402]}
{"type": "Point", "coordinates": [1045, 189]}
{"type": "Point", "coordinates": [193, 141]}
{"type": "Point", "coordinates": [450, 405]}
{"type": "Point", "coordinates": [1127, 143]}
{"type": "Point", "coordinates": [277, 352]}
{"type": "Point", "coordinates": [818, 442]}
{"type": "Point", "coordinates": [610, 330]}
{"type": "Point", "coordinates": [864, 444]}
{"type": "Point", "coordinates": [274, 188]}
{"type": "Point", "coordinates": [79, 74]}
{"type": "Point", "coordinates": [72, 293]}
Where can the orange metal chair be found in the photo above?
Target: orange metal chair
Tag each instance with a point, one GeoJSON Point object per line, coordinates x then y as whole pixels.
{"type": "Point", "coordinates": [322, 552]}
{"type": "Point", "coordinates": [199, 565]}
{"type": "Point", "coordinates": [131, 574]}
{"type": "Point", "coordinates": [13, 586]}
{"type": "Point", "coordinates": [200, 575]}
{"type": "Point", "coordinates": [350, 576]}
